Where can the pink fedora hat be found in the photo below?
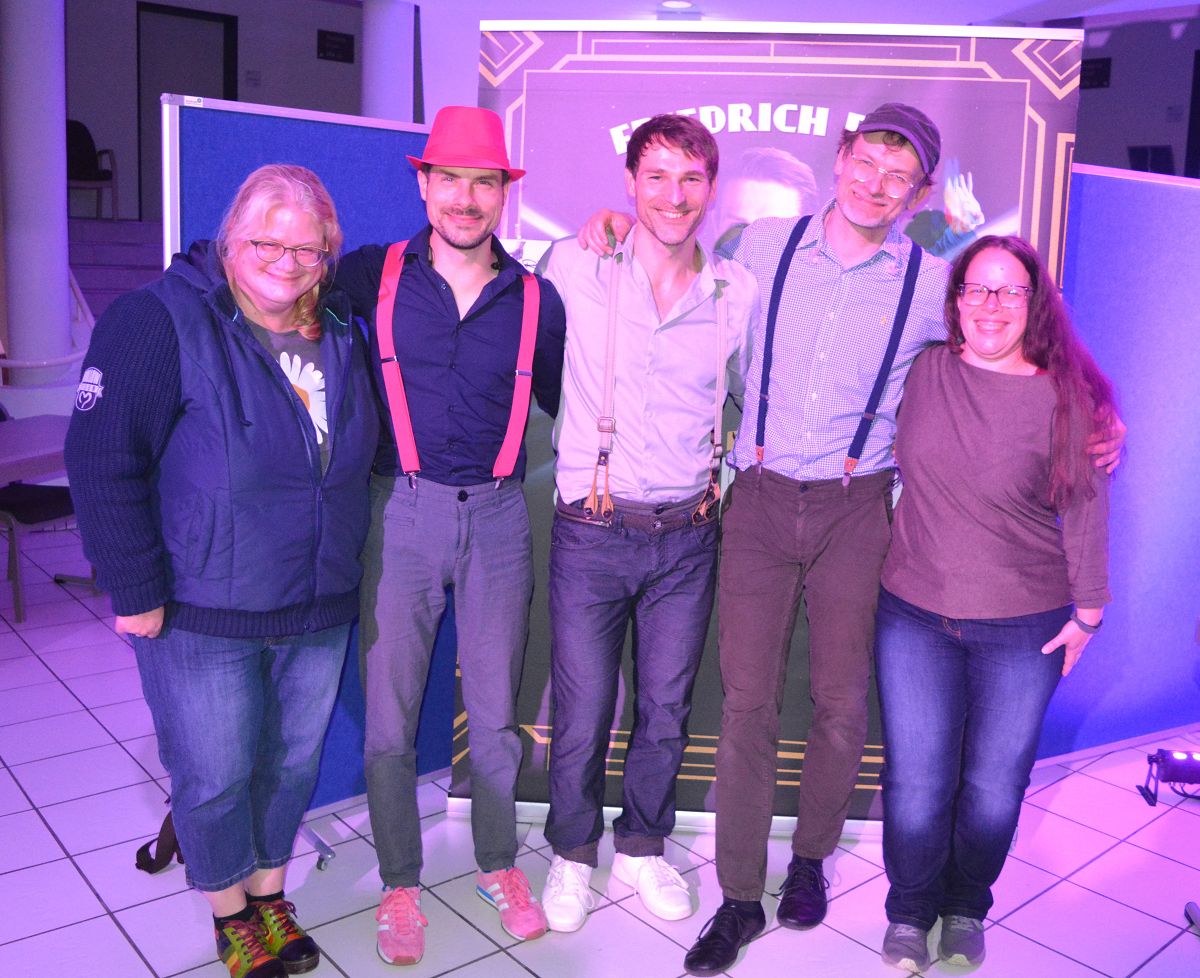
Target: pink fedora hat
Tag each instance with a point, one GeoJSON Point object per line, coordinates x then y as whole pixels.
{"type": "Point", "coordinates": [466, 136]}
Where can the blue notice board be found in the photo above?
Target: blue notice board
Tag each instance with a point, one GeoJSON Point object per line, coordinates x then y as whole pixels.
{"type": "Point", "coordinates": [211, 146]}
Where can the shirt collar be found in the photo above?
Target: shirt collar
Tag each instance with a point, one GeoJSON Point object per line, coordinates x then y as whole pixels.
{"type": "Point", "coordinates": [418, 246]}
{"type": "Point", "coordinates": [706, 278]}
{"type": "Point", "coordinates": [895, 246]}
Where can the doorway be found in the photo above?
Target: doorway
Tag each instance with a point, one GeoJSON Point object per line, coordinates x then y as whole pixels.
{"type": "Point", "coordinates": [181, 52]}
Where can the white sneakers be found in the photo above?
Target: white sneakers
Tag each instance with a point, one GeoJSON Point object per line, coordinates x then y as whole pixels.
{"type": "Point", "coordinates": [659, 885]}
{"type": "Point", "coordinates": [567, 897]}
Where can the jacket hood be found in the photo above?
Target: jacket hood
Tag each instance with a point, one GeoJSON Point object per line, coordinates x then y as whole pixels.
{"type": "Point", "coordinates": [199, 266]}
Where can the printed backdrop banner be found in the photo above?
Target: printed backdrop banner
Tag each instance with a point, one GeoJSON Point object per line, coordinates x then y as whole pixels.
{"type": "Point", "coordinates": [777, 98]}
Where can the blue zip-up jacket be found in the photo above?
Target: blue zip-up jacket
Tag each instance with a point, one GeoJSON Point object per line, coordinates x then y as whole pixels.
{"type": "Point", "coordinates": [195, 468]}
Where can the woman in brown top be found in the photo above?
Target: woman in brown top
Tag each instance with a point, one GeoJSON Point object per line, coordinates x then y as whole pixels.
{"type": "Point", "coordinates": [995, 581]}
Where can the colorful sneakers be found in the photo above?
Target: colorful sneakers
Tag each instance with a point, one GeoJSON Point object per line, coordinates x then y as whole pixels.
{"type": "Point", "coordinates": [241, 951]}
{"type": "Point", "coordinates": [285, 938]}
{"type": "Point", "coordinates": [401, 926]}
{"type": "Point", "coordinates": [567, 897]}
{"type": "Point", "coordinates": [508, 891]}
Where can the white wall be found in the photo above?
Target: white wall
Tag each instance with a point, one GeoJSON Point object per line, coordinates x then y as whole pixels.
{"type": "Point", "coordinates": [276, 39]}
{"type": "Point", "coordinates": [1147, 101]}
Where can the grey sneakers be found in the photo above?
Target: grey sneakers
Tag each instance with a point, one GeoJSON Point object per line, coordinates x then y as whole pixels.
{"type": "Point", "coordinates": [906, 947]}
{"type": "Point", "coordinates": [961, 943]}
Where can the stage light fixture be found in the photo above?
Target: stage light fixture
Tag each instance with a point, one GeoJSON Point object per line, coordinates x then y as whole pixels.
{"type": "Point", "coordinates": [1175, 768]}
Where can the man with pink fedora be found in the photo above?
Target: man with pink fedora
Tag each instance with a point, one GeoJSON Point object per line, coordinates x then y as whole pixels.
{"type": "Point", "coordinates": [461, 336]}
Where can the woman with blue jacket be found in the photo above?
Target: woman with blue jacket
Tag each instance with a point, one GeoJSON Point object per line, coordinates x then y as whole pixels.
{"type": "Point", "coordinates": [218, 456]}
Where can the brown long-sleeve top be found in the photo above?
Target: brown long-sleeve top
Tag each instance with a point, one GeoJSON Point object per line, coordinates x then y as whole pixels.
{"type": "Point", "coordinates": [975, 534]}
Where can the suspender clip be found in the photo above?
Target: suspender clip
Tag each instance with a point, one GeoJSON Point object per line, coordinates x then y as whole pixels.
{"type": "Point", "coordinates": [606, 426]}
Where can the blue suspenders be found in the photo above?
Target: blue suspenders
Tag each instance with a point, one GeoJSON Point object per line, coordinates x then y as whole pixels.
{"type": "Point", "coordinates": [885, 368]}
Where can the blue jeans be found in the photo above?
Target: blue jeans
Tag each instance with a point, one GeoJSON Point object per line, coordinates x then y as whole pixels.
{"type": "Point", "coordinates": [422, 540]}
{"type": "Point", "coordinates": [240, 724]}
{"type": "Point", "coordinates": [602, 577]}
{"type": "Point", "coordinates": [962, 703]}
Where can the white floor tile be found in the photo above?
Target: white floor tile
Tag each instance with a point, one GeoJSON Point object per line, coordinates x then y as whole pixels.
{"type": "Point", "coordinates": [1117, 811]}
{"type": "Point", "coordinates": [588, 953]}
{"type": "Point", "coordinates": [42, 898]}
{"type": "Point", "coordinates": [34, 702]}
{"type": "Point", "coordinates": [174, 933]}
{"type": "Point", "coordinates": [498, 965]}
{"type": "Point", "coordinates": [108, 818]}
{"type": "Point", "coordinates": [1010, 954]}
{"type": "Point", "coordinates": [35, 739]}
{"type": "Point", "coordinates": [1044, 775]}
{"type": "Point", "coordinates": [1179, 958]}
{"type": "Point", "coordinates": [127, 720]}
{"type": "Point", "coordinates": [85, 772]}
{"type": "Point", "coordinates": [106, 688]}
{"type": "Point", "coordinates": [12, 646]}
{"type": "Point", "coordinates": [1116, 939]}
{"type": "Point", "coordinates": [1143, 880]}
{"type": "Point", "coordinates": [145, 752]}
{"type": "Point", "coordinates": [26, 842]}
{"type": "Point", "coordinates": [1174, 834]}
{"type": "Point", "coordinates": [90, 660]}
{"type": "Point", "coordinates": [706, 897]}
{"type": "Point", "coordinates": [62, 612]}
{"type": "Point", "coordinates": [41, 592]}
{"type": "Point", "coordinates": [819, 953]}
{"type": "Point", "coordinates": [348, 883]}
{"type": "Point", "coordinates": [450, 942]}
{"type": "Point", "coordinates": [1019, 883]}
{"type": "Point", "coordinates": [25, 671]}
{"type": "Point", "coordinates": [1057, 844]}
{"type": "Point", "coordinates": [12, 798]}
{"type": "Point", "coordinates": [76, 635]}
{"type": "Point", "coordinates": [120, 883]}
{"type": "Point", "coordinates": [859, 915]}
{"type": "Point", "coordinates": [356, 818]}
{"type": "Point", "coordinates": [97, 942]}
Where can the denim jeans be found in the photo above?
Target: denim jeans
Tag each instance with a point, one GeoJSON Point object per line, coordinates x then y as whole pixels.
{"type": "Point", "coordinates": [962, 702]}
{"type": "Point", "coordinates": [601, 578]}
{"type": "Point", "coordinates": [422, 540]}
{"type": "Point", "coordinates": [240, 724]}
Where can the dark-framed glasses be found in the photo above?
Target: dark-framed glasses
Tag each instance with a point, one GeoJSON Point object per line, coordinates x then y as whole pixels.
{"type": "Point", "coordinates": [895, 185]}
{"type": "Point", "coordinates": [305, 255]}
{"type": "Point", "coordinates": [1009, 296]}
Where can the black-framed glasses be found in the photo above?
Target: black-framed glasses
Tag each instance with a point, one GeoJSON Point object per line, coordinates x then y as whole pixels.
{"type": "Point", "coordinates": [1009, 296]}
{"type": "Point", "coordinates": [895, 185]}
{"type": "Point", "coordinates": [305, 255]}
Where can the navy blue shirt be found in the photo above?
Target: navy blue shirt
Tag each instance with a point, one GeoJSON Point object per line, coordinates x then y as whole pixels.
{"type": "Point", "coordinates": [458, 372]}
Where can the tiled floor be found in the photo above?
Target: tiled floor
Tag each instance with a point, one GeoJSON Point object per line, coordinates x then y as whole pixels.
{"type": "Point", "coordinates": [1095, 885]}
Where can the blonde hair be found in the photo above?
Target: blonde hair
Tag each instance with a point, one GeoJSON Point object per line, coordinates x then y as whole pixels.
{"type": "Point", "coordinates": [275, 185]}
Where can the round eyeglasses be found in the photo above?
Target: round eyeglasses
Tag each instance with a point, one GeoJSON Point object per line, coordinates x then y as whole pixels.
{"type": "Point", "coordinates": [1009, 296]}
{"type": "Point", "coordinates": [895, 185]}
{"type": "Point", "coordinates": [305, 255]}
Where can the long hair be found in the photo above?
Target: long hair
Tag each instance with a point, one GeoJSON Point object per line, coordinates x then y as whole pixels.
{"type": "Point", "coordinates": [1084, 398]}
{"type": "Point", "coordinates": [275, 185]}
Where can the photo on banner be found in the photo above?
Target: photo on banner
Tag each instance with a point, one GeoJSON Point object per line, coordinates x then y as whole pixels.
{"type": "Point", "coordinates": [776, 97]}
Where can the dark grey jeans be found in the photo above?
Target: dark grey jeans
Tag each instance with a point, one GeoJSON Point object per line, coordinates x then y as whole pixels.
{"type": "Point", "coordinates": [423, 540]}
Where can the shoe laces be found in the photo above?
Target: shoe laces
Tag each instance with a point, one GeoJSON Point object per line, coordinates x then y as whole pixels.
{"type": "Point", "coordinates": [802, 876]}
{"type": "Point", "coordinates": [909, 932]}
{"type": "Point", "coordinates": [280, 914]}
{"type": "Point", "coordinates": [246, 942]}
{"type": "Point", "coordinates": [568, 875]}
{"type": "Point", "coordinates": [955, 922]}
{"type": "Point", "coordinates": [724, 910]}
{"type": "Point", "coordinates": [663, 873]}
{"type": "Point", "coordinates": [398, 909]}
{"type": "Point", "coordinates": [514, 886]}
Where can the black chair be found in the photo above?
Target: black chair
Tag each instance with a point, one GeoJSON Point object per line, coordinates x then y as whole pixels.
{"type": "Point", "coordinates": [84, 169]}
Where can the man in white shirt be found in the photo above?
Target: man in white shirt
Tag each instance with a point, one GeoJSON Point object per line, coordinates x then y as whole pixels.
{"type": "Point", "coordinates": [656, 337]}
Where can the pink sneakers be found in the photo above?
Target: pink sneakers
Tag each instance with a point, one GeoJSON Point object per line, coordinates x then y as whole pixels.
{"type": "Point", "coordinates": [508, 891]}
{"type": "Point", "coordinates": [401, 926]}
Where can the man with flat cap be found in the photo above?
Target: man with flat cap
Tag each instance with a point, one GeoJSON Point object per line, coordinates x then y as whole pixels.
{"type": "Point", "coordinates": [461, 335]}
{"type": "Point", "coordinates": [848, 302]}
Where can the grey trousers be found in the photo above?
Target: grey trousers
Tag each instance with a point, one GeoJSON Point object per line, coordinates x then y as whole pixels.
{"type": "Point", "coordinates": [422, 540]}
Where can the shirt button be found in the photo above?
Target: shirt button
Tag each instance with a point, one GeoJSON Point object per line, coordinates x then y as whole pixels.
{"type": "Point", "coordinates": [462, 495]}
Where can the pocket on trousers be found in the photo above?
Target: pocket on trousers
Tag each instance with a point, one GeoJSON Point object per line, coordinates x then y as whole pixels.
{"type": "Point", "coordinates": [570, 535]}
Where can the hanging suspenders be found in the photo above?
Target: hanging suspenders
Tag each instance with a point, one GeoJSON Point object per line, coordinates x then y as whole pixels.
{"type": "Point", "coordinates": [599, 501]}
{"type": "Point", "coordinates": [393, 381]}
{"type": "Point", "coordinates": [885, 368]}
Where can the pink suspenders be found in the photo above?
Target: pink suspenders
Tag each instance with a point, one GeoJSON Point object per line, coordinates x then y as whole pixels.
{"type": "Point", "coordinates": [393, 382]}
